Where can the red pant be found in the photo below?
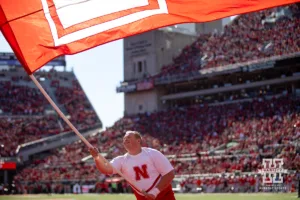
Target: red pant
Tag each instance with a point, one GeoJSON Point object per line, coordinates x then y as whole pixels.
{"type": "Point", "coordinates": [167, 194]}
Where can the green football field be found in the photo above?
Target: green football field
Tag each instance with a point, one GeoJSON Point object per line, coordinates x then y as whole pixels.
{"type": "Point", "coordinates": [258, 196]}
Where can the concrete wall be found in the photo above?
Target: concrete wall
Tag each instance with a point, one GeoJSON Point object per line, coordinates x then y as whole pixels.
{"type": "Point", "coordinates": [169, 45]}
{"type": "Point", "coordinates": [144, 55]}
{"type": "Point", "coordinates": [139, 57]}
{"type": "Point", "coordinates": [208, 27]}
{"type": "Point", "coordinates": [141, 102]}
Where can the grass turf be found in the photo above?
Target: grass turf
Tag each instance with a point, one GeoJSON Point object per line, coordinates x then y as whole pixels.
{"type": "Point", "coordinates": [240, 196]}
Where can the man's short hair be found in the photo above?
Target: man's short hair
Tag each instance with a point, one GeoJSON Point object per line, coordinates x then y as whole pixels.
{"type": "Point", "coordinates": [135, 133]}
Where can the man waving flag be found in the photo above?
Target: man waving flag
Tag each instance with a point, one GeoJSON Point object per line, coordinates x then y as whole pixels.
{"type": "Point", "coordinates": [41, 30]}
{"type": "Point", "coordinates": [149, 168]}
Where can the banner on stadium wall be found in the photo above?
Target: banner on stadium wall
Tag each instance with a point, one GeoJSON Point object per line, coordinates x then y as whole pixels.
{"type": "Point", "coordinates": [10, 59]}
{"type": "Point", "coordinates": [145, 85]}
{"type": "Point", "coordinates": [139, 45]}
{"type": "Point", "coordinates": [260, 66]}
{"type": "Point", "coordinates": [7, 165]}
{"type": "Point", "coordinates": [114, 180]}
{"type": "Point", "coordinates": [126, 88]}
{"type": "Point", "coordinates": [86, 188]}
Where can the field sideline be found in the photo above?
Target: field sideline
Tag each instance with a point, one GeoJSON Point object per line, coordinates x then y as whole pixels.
{"type": "Point", "coordinates": [239, 196]}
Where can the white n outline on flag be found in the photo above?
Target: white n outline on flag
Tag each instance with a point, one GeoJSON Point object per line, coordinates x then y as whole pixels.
{"type": "Point", "coordinates": [93, 30]}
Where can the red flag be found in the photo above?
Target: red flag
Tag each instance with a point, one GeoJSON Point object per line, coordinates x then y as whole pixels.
{"type": "Point", "coordinates": [41, 30]}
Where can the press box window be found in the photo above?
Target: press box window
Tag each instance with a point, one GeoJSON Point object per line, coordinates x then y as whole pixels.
{"type": "Point", "coordinates": [140, 107]}
{"type": "Point", "coordinates": [134, 68]}
{"type": "Point", "coordinates": [140, 66]}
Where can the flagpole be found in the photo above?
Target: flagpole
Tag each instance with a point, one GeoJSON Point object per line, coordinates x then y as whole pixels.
{"type": "Point", "coordinates": [61, 114]}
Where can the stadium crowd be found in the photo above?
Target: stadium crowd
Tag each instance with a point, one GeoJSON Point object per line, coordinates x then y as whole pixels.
{"type": "Point", "coordinates": [252, 36]}
{"type": "Point", "coordinates": [22, 110]}
{"type": "Point", "coordinates": [258, 128]}
{"type": "Point", "coordinates": [77, 106]}
{"type": "Point", "coordinates": [20, 100]}
{"type": "Point", "coordinates": [19, 130]}
{"type": "Point", "coordinates": [214, 184]}
{"type": "Point", "coordinates": [276, 37]}
{"type": "Point", "coordinates": [242, 183]}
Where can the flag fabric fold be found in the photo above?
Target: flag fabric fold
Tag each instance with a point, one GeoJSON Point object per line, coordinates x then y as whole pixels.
{"type": "Point", "coordinates": [41, 30]}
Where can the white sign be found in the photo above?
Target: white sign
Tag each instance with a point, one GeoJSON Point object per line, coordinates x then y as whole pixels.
{"type": "Point", "coordinates": [272, 171]}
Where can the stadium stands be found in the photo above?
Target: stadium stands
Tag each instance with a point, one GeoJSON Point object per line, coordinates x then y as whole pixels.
{"type": "Point", "coordinates": [24, 109]}
{"type": "Point", "coordinates": [15, 131]}
{"type": "Point", "coordinates": [249, 37]}
{"type": "Point", "coordinates": [256, 126]}
{"type": "Point", "coordinates": [21, 100]}
{"type": "Point", "coordinates": [77, 105]}
{"type": "Point", "coordinates": [203, 141]}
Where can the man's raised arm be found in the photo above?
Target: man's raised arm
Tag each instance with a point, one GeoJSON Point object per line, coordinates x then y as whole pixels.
{"type": "Point", "coordinates": [101, 163]}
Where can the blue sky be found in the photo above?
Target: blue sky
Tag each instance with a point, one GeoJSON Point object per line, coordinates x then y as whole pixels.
{"type": "Point", "coordinates": [99, 71]}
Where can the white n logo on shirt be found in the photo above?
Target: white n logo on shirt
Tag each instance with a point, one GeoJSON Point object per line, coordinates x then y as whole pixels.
{"type": "Point", "coordinates": [141, 172]}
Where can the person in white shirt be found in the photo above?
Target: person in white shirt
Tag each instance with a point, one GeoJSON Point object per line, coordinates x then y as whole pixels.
{"type": "Point", "coordinates": [149, 168]}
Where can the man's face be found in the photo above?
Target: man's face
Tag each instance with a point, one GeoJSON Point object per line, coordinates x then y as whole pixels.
{"type": "Point", "coordinates": [130, 141]}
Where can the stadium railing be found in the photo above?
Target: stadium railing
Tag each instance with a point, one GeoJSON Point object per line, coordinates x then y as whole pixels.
{"type": "Point", "coordinates": [253, 65]}
{"type": "Point", "coordinates": [213, 71]}
{"type": "Point", "coordinates": [232, 87]}
{"type": "Point", "coordinates": [55, 141]}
